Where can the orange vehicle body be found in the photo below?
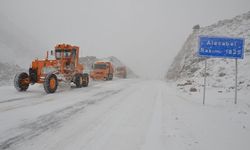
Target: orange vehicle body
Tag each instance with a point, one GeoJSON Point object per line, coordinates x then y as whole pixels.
{"type": "Point", "coordinates": [65, 63]}
{"type": "Point", "coordinates": [102, 71]}
{"type": "Point", "coordinates": [121, 72]}
{"type": "Point", "coordinates": [64, 66]}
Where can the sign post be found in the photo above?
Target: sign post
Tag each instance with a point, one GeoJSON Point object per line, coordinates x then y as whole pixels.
{"type": "Point", "coordinates": [236, 76]}
{"type": "Point", "coordinates": [221, 47]}
{"type": "Point", "coordinates": [205, 80]}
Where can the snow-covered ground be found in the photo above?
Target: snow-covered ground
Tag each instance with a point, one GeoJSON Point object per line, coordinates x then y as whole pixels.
{"type": "Point", "coordinates": [124, 114]}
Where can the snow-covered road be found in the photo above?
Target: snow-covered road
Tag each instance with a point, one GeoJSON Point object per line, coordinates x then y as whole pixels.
{"type": "Point", "coordinates": [130, 114]}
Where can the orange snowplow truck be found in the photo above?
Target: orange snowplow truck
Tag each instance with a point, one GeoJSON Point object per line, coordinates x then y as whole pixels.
{"type": "Point", "coordinates": [121, 72]}
{"type": "Point", "coordinates": [63, 67]}
{"type": "Point", "coordinates": [102, 71]}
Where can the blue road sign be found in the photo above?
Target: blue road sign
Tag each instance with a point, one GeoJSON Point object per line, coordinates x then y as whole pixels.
{"type": "Point", "coordinates": [221, 47]}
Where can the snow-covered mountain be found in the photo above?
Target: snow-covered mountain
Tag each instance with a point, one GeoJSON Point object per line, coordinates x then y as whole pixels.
{"type": "Point", "coordinates": [188, 69]}
{"type": "Point", "coordinates": [89, 60]}
{"type": "Point", "coordinates": [7, 73]}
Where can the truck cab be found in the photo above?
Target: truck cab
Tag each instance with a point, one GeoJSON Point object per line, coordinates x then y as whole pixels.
{"type": "Point", "coordinates": [102, 70]}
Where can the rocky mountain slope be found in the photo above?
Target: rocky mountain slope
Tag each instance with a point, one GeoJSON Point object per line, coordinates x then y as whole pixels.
{"type": "Point", "coordinates": [188, 69]}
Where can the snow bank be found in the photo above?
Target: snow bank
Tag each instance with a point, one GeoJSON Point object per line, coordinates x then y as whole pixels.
{"type": "Point", "coordinates": [7, 73]}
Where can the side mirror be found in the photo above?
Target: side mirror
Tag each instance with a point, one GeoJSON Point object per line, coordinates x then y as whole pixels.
{"type": "Point", "coordinates": [51, 52]}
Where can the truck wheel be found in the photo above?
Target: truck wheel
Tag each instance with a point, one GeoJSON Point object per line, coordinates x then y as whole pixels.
{"type": "Point", "coordinates": [106, 78]}
{"type": "Point", "coordinates": [21, 81]}
{"type": "Point", "coordinates": [50, 83]}
{"type": "Point", "coordinates": [78, 80]}
{"type": "Point", "coordinates": [110, 77]}
{"type": "Point", "coordinates": [85, 78]}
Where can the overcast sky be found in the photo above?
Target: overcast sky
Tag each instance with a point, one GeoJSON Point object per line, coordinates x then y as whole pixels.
{"type": "Point", "coordinates": [144, 34]}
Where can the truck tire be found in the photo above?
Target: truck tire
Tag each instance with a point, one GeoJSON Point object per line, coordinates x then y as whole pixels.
{"type": "Point", "coordinates": [20, 81]}
{"type": "Point", "coordinates": [85, 80]}
{"type": "Point", "coordinates": [50, 83]}
{"type": "Point", "coordinates": [110, 77]}
{"type": "Point", "coordinates": [78, 80]}
{"type": "Point", "coordinates": [106, 78]}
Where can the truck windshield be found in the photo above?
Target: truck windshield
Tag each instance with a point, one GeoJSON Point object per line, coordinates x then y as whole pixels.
{"type": "Point", "coordinates": [100, 66]}
{"type": "Point", "coordinates": [58, 54]}
{"type": "Point", "coordinates": [66, 53]}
